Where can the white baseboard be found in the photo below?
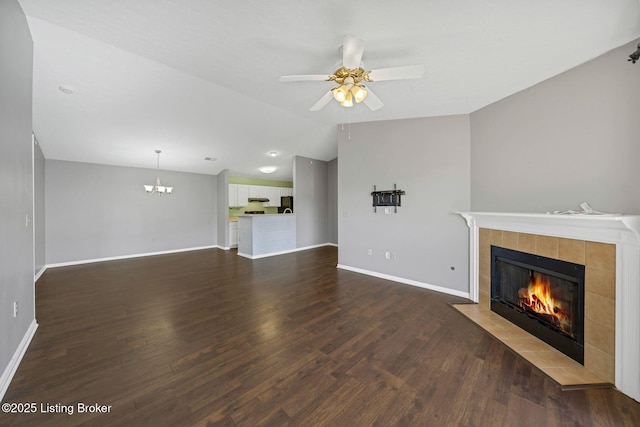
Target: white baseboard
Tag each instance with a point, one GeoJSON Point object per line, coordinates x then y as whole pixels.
{"type": "Point", "coordinates": [114, 258]}
{"type": "Point", "coordinates": [11, 368]}
{"type": "Point", "coordinates": [406, 281]}
{"type": "Point", "coordinates": [304, 248]}
{"type": "Point", "coordinates": [39, 273]}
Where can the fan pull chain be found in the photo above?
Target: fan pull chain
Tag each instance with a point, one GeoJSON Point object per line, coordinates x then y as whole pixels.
{"type": "Point", "coordinates": [348, 123]}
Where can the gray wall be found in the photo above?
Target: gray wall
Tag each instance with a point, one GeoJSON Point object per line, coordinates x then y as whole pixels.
{"type": "Point", "coordinates": [569, 139]}
{"type": "Point", "coordinates": [39, 208]}
{"type": "Point", "coordinates": [332, 201]}
{"type": "Point", "coordinates": [16, 182]}
{"type": "Point", "coordinates": [429, 159]}
{"type": "Point", "coordinates": [310, 201]}
{"type": "Point", "coordinates": [106, 213]}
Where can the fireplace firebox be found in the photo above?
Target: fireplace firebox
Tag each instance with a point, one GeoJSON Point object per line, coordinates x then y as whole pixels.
{"type": "Point", "coordinates": [543, 296]}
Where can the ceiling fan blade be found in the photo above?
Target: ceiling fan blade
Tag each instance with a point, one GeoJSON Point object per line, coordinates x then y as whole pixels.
{"type": "Point", "coordinates": [372, 101]}
{"type": "Point", "coordinates": [397, 73]}
{"type": "Point", "coordinates": [322, 101]}
{"type": "Point", "coordinates": [352, 50]}
{"type": "Point", "coordinates": [303, 78]}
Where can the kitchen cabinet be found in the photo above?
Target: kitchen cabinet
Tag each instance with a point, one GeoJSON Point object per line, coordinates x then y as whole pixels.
{"type": "Point", "coordinates": [238, 195]}
{"type": "Point", "coordinates": [257, 191]}
{"type": "Point", "coordinates": [243, 195]}
{"type": "Point", "coordinates": [286, 192]}
{"type": "Point", "coordinates": [233, 234]}
{"type": "Point", "coordinates": [273, 194]}
{"type": "Point", "coordinates": [233, 195]}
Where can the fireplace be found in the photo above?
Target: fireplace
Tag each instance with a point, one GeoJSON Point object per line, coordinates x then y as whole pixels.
{"type": "Point", "coordinates": [544, 296]}
{"type": "Point", "coordinates": [609, 248]}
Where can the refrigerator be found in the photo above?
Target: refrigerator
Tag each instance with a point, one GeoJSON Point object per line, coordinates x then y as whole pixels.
{"type": "Point", "coordinates": [285, 202]}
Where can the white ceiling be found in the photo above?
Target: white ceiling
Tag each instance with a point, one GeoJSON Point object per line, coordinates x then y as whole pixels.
{"type": "Point", "coordinates": [199, 78]}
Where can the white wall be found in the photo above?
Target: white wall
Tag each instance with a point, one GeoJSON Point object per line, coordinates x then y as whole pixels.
{"type": "Point", "coordinates": [429, 159]}
{"type": "Point", "coordinates": [570, 139]}
{"type": "Point", "coordinates": [99, 211]}
{"type": "Point", "coordinates": [16, 189]}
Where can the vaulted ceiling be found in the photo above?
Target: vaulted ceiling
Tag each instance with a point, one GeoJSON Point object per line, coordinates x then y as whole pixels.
{"type": "Point", "coordinates": [199, 78]}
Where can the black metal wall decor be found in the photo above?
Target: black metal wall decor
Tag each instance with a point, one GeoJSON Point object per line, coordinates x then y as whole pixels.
{"type": "Point", "coordinates": [635, 55]}
{"type": "Point", "coordinates": [387, 198]}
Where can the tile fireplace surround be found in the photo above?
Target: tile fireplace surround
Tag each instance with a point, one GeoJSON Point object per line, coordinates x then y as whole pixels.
{"type": "Point", "coordinates": [608, 246]}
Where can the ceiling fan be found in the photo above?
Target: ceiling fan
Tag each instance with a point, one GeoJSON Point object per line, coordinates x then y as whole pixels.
{"type": "Point", "coordinates": [351, 75]}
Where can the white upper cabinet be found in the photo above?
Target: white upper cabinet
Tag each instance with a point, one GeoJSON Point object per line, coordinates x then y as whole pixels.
{"type": "Point", "coordinates": [238, 195]}
{"type": "Point", "coordinates": [243, 195]}
{"type": "Point", "coordinates": [285, 192]}
{"type": "Point", "coordinates": [257, 191]}
{"type": "Point", "coordinates": [233, 194]}
{"type": "Point", "coordinates": [273, 194]}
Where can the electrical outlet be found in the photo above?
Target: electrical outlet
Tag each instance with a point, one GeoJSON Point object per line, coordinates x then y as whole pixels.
{"type": "Point", "coordinates": [388, 255]}
{"type": "Point", "coordinates": [15, 309]}
{"type": "Point", "coordinates": [370, 252]}
{"type": "Point", "coordinates": [387, 211]}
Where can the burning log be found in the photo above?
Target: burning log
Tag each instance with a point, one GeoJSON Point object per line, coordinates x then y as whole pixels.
{"type": "Point", "coordinates": [537, 299]}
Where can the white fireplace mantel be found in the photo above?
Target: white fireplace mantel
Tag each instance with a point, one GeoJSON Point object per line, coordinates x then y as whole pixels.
{"type": "Point", "coordinates": [621, 230]}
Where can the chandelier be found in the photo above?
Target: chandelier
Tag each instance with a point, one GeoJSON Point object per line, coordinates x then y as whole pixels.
{"type": "Point", "coordinates": [158, 188]}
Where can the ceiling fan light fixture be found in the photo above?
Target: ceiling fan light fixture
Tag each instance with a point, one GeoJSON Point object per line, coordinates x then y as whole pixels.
{"type": "Point", "coordinates": [359, 93]}
{"type": "Point", "coordinates": [348, 102]}
{"type": "Point", "coordinates": [340, 93]}
{"type": "Point", "coordinates": [349, 76]}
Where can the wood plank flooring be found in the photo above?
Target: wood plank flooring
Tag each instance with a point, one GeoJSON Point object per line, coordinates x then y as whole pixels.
{"type": "Point", "coordinates": [207, 338]}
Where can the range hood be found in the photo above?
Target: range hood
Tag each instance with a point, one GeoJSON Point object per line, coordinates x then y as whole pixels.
{"type": "Point", "coordinates": [258, 199]}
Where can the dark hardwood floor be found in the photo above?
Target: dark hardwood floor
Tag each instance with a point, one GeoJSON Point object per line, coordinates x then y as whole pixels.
{"type": "Point", "coordinates": [210, 338]}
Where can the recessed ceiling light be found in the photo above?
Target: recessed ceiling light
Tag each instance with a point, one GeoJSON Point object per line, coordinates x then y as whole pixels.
{"type": "Point", "coordinates": [273, 153]}
{"type": "Point", "coordinates": [210, 159]}
{"type": "Point", "coordinates": [66, 89]}
{"type": "Point", "coordinates": [267, 169]}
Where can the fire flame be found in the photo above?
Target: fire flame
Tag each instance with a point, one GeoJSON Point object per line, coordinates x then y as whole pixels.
{"type": "Point", "coordinates": [538, 297]}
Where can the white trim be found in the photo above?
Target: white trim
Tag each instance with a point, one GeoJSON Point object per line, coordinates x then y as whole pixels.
{"type": "Point", "coordinates": [89, 261]}
{"type": "Point", "coordinates": [33, 218]}
{"type": "Point", "coordinates": [11, 368]}
{"type": "Point", "coordinates": [39, 273]}
{"type": "Point", "coordinates": [332, 244]}
{"type": "Point", "coordinates": [627, 339]}
{"type": "Point", "coordinates": [406, 281]}
{"type": "Point", "coordinates": [594, 228]}
{"type": "Point", "coordinates": [304, 248]}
